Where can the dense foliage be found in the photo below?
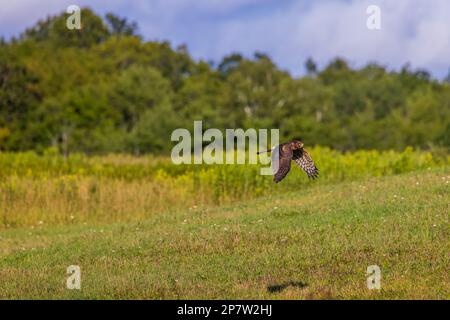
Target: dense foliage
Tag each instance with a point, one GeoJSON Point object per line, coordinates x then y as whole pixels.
{"type": "Point", "coordinates": [103, 89]}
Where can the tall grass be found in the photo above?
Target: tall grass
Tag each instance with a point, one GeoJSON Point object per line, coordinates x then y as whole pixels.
{"type": "Point", "coordinates": [37, 190]}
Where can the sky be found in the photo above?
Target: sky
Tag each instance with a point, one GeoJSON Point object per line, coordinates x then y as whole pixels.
{"type": "Point", "coordinates": [289, 31]}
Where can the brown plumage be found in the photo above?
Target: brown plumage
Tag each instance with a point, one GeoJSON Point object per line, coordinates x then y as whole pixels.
{"type": "Point", "coordinates": [292, 151]}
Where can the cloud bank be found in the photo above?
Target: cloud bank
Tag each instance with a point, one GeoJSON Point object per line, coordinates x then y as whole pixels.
{"type": "Point", "coordinates": [413, 31]}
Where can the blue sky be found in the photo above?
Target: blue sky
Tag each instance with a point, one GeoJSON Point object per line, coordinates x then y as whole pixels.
{"type": "Point", "coordinates": [414, 31]}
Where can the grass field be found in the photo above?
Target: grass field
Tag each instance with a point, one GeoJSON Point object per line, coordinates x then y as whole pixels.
{"type": "Point", "coordinates": [312, 243]}
{"type": "Point", "coordinates": [45, 190]}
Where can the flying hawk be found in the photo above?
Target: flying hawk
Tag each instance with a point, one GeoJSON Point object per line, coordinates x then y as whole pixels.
{"type": "Point", "coordinates": [291, 151]}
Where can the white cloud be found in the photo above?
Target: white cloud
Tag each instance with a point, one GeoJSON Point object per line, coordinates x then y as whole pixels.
{"type": "Point", "coordinates": [414, 31]}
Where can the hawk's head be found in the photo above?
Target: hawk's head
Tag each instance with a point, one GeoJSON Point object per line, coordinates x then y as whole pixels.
{"type": "Point", "coordinates": [296, 144]}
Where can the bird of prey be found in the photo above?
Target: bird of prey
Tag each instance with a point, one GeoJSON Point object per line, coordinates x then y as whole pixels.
{"type": "Point", "coordinates": [291, 151]}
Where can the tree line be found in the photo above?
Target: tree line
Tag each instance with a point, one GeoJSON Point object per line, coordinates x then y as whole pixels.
{"type": "Point", "coordinates": [104, 89]}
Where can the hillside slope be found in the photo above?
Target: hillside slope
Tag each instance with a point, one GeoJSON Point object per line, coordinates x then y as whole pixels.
{"type": "Point", "coordinates": [311, 244]}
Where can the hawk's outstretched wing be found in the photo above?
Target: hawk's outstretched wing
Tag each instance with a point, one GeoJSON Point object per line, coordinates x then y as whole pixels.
{"type": "Point", "coordinates": [304, 161]}
{"type": "Point", "coordinates": [282, 165]}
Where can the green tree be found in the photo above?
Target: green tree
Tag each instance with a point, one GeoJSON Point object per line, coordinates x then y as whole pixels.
{"type": "Point", "coordinates": [137, 90]}
{"type": "Point", "coordinates": [311, 66]}
{"type": "Point", "coordinates": [53, 30]}
{"type": "Point", "coordinates": [19, 95]}
{"type": "Point", "coordinates": [120, 26]}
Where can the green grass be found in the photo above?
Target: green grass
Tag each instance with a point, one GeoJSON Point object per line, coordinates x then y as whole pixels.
{"type": "Point", "coordinates": [52, 190]}
{"type": "Point", "coordinates": [314, 243]}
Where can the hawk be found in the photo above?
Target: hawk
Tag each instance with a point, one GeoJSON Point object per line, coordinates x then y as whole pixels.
{"type": "Point", "coordinates": [291, 151]}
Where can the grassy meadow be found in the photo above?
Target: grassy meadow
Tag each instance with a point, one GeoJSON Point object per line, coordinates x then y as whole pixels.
{"type": "Point", "coordinates": [141, 227]}
{"type": "Point", "coordinates": [53, 190]}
